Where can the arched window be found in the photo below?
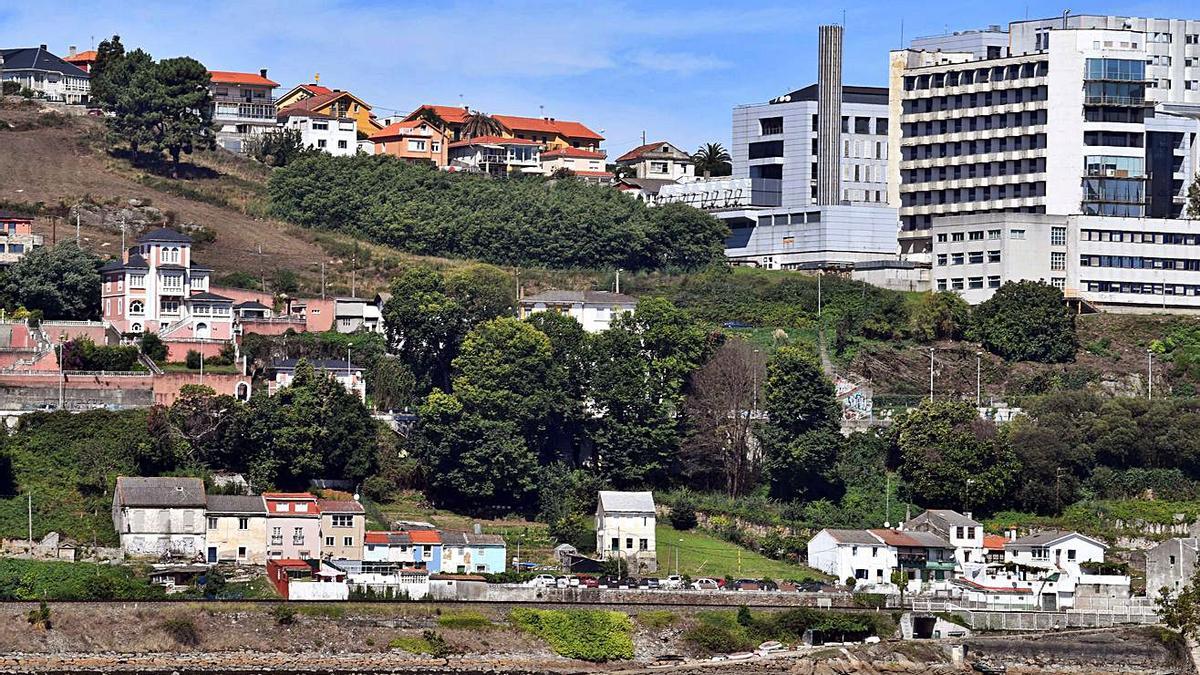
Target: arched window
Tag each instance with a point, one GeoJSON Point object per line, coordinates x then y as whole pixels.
{"type": "Point", "coordinates": [202, 330]}
{"type": "Point", "coordinates": [136, 307]}
{"type": "Point", "coordinates": [135, 328]}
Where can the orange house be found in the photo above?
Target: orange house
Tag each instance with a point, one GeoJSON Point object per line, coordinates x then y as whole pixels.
{"type": "Point", "coordinates": [413, 140]}
{"type": "Point", "coordinates": [336, 103]}
{"type": "Point", "coordinates": [550, 133]}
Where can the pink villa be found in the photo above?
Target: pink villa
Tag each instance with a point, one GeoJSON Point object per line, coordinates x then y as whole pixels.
{"type": "Point", "coordinates": [157, 288]}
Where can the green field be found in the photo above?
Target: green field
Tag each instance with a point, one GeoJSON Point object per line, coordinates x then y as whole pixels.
{"type": "Point", "coordinates": [702, 555]}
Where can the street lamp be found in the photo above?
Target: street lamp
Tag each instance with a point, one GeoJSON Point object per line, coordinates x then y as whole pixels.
{"type": "Point", "coordinates": [931, 374]}
{"type": "Point", "coordinates": [978, 361]}
{"type": "Point", "coordinates": [1149, 374]}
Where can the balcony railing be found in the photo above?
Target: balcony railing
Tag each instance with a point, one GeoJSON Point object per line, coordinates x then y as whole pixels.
{"type": "Point", "coordinates": [244, 111]}
{"type": "Point", "coordinates": [277, 541]}
{"type": "Point", "coordinates": [1131, 101]}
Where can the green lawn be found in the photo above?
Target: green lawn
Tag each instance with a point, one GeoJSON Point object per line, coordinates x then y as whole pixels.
{"type": "Point", "coordinates": [702, 555]}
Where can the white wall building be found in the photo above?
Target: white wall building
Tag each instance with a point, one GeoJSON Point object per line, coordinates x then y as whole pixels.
{"type": "Point", "coordinates": [851, 554]}
{"type": "Point", "coordinates": [47, 75]}
{"type": "Point", "coordinates": [625, 524]}
{"type": "Point", "coordinates": [1063, 550]}
{"type": "Point", "coordinates": [594, 310]}
{"type": "Point", "coordinates": [659, 160]}
{"type": "Point", "coordinates": [1067, 121]}
{"type": "Point", "coordinates": [346, 373]}
{"type": "Point", "coordinates": [336, 136]}
{"type": "Point", "coordinates": [962, 532]}
{"type": "Point", "coordinates": [243, 106]}
{"type": "Point", "coordinates": [156, 516]}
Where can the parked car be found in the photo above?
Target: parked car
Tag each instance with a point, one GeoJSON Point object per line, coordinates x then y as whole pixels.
{"type": "Point", "coordinates": [543, 581]}
{"type": "Point", "coordinates": [747, 585]}
{"type": "Point", "coordinates": [627, 583]}
{"type": "Point", "coordinates": [562, 582]}
{"type": "Point", "coordinates": [736, 325]}
{"type": "Point", "coordinates": [811, 586]}
{"type": "Point", "coordinates": [706, 584]}
{"type": "Point", "coordinates": [588, 581]}
{"type": "Point", "coordinates": [652, 583]}
{"type": "Point", "coordinates": [672, 582]}
{"type": "Point", "coordinates": [608, 582]}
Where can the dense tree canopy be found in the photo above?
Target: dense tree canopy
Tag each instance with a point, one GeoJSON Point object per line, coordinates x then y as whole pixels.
{"type": "Point", "coordinates": [529, 221]}
{"type": "Point", "coordinates": [1026, 321]}
{"type": "Point", "coordinates": [800, 437]}
{"type": "Point", "coordinates": [61, 281]}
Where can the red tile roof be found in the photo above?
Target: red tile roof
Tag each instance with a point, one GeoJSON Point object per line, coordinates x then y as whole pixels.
{"type": "Point", "coordinates": [425, 536]}
{"type": "Point", "coordinates": [315, 89]}
{"type": "Point", "coordinates": [491, 140]}
{"type": "Point", "coordinates": [994, 542]}
{"type": "Point", "coordinates": [340, 506]}
{"type": "Point", "coordinates": [300, 111]}
{"type": "Point", "coordinates": [82, 57]}
{"type": "Point", "coordinates": [595, 174]}
{"type": "Point", "coordinates": [289, 495]}
{"type": "Point", "coordinates": [293, 563]}
{"type": "Point", "coordinates": [641, 150]}
{"type": "Point", "coordinates": [452, 114]}
{"type": "Point", "coordinates": [230, 77]}
{"type": "Point", "coordinates": [376, 538]}
{"type": "Point", "coordinates": [547, 126]}
{"type": "Point", "coordinates": [896, 538]}
{"type": "Point", "coordinates": [573, 152]}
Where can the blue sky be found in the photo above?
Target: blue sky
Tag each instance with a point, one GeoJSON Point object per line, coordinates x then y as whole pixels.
{"type": "Point", "coordinates": [674, 69]}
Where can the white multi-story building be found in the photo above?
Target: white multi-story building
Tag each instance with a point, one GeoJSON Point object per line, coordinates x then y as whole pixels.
{"type": "Point", "coordinates": [869, 557]}
{"type": "Point", "coordinates": [337, 136]}
{"type": "Point", "coordinates": [1118, 264]}
{"type": "Point", "coordinates": [158, 288]}
{"type": "Point", "coordinates": [45, 74]}
{"type": "Point", "coordinates": [156, 516]}
{"type": "Point", "coordinates": [243, 106]}
{"type": "Point", "coordinates": [495, 155]}
{"type": "Point", "coordinates": [1077, 117]}
{"type": "Point", "coordinates": [962, 532]}
{"type": "Point", "coordinates": [625, 524]}
{"type": "Point", "coordinates": [347, 374]}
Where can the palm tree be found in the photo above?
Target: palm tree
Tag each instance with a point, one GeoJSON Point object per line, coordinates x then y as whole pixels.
{"type": "Point", "coordinates": [481, 124]}
{"type": "Point", "coordinates": [429, 115]}
{"type": "Point", "coordinates": [711, 159]}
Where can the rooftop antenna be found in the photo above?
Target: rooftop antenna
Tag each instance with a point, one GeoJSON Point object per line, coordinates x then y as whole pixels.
{"type": "Point", "coordinates": [901, 32]}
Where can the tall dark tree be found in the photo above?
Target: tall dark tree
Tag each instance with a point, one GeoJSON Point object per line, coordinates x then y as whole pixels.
{"type": "Point", "coordinates": [62, 282]}
{"type": "Point", "coordinates": [187, 108]}
{"type": "Point", "coordinates": [1026, 321]}
{"type": "Point", "coordinates": [723, 404]}
{"type": "Point", "coordinates": [800, 438]}
{"type": "Point", "coordinates": [712, 159]}
{"type": "Point", "coordinates": [108, 53]}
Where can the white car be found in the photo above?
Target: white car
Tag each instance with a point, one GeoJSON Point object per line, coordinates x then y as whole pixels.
{"type": "Point", "coordinates": [706, 584]}
{"type": "Point", "coordinates": [543, 581]}
{"type": "Point", "coordinates": [672, 582]}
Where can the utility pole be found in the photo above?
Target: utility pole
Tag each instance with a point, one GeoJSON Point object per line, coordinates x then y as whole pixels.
{"type": "Point", "coordinates": [62, 376]}
{"type": "Point", "coordinates": [931, 375]}
{"type": "Point", "coordinates": [322, 279]}
{"type": "Point", "coordinates": [77, 227]}
{"type": "Point", "coordinates": [202, 367]}
{"type": "Point", "coordinates": [818, 295]}
{"type": "Point", "coordinates": [618, 280]}
{"type": "Point", "coordinates": [29, 497]}
{"type": "Point", "coordinates": [262, 272]}
{"type": "Point", "coordinates": [354, 274]}
{"type": "Point", "coordinates": [643, 137]}
{"type": "Point", "coordinates": [978, 380]}
{"type": "Point", "coordinates": [1149, 374]}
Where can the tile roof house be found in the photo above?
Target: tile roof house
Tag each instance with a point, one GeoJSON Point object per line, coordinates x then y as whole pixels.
{"type": "Point", "coordinates": [961, 530]}
{"type": "Point", "coordinates": [293, 525]}
{"type": "Point", "coordinates": [47, 75]}
{"type": "Point", "coordinates": [236, 529]}
{"type": "Point", "coordinates": [157, 516]}
{"type": "Point", "coordinates": [335, 103]}
{"type": "Point", "coordinates": [550, 133]}
{"type": "Point", "coordinates": [467, 552]}
{"type": "Point", "coordinates": [85, 60]}
{"type": "Point", "coordinates": [412, 140]}
{"type": "Point", "coordinates": [417, 547]}
{"type": "Point", "coordinates": [659, 160]}
{"type": "Point", "coordinates": [587, 165]}
{"type": "Point", "coordinates": [870, 556]}
{"type": "Point", "coordinates": [343, 524]}
{"type": "Point", "coordinates": [16, 236]}
{"type": "Point", "coordinates": [243, 106]}
{"type": "Point", "coordinates": [594, 310]}
{"type": "Point", "coordinates": [625, 529]}
{"type": "Point", "coordinates": [495, 155]}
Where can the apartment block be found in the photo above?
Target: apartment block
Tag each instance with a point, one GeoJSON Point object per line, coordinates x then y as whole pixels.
{"type": "Point", "coordinates": [1081, 115]}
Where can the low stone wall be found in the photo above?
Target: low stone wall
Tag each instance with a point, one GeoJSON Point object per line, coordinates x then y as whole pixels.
{"type": "Point", "coordinates": [1090, 651]}
{"type": "Point", "coordinates": [606, 596]}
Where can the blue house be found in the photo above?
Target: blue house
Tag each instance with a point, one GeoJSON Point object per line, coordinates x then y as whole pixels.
{"type": "Point", "coordinates": [469, 553]}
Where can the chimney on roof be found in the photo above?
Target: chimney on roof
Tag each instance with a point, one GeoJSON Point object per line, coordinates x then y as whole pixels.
{"type": "Point", "coordinates": [42, 47]}
{"type": "Point", "coordinates": [71, 50]}
{"type": "Point", "coordinates": [262, 72]}
{"type": "Point", "coordinates": [829, 114]}
{"type": "Point", "coordinates": [968, 515]}
{"type": "Point", "coordinates": [1012, 534]}
{"type": "Point", "coordinates": [478, 528]}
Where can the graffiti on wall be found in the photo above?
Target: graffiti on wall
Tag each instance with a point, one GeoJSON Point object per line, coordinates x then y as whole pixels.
{"type": "Point", "coordinates": [855, 396]}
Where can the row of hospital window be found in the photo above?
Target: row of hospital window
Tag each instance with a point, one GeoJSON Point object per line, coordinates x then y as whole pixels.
{"type": "Point", "coordinates": [974, 283]}
{"type": "Point", "coordinates": [1138, 288]}
{"type": "Point", "coordinates": [973, 258]}
{"type": "Point", "coordinates": [1140, 263]}
{"type": "Point", "coordinates": [1140, 237]}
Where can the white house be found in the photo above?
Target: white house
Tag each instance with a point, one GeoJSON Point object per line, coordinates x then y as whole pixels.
{"type": "Point", "coordinates": [1063, 551]}
{"type": "Point", "coordinates": [337, 136]}
{"type": "Point", "coordinates": [154, 516]}
{"type": "Point", "coordinates": [625, 529]}
{"type": "Point", "coordinates": [351, 314]}
{"type": "Point", "coordinates": [962, 532]}
{"type": "Point", "coordinates": [851, 554]}
{"type": "Point", "coordinates": [587, 165]}
{"type": "Point", "coordinates": [243, 106]}
{"type": "Point", "coordinates": [348, 374]}
{"type": "Point", "coordinates": [47, 75]}
{"type": "Point", "coordinates": [659, 160]}
{"type": "Point", "coordinates": [594, 310]}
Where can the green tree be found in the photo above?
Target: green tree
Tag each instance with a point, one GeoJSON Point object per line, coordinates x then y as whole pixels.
{"type": "Point", "coordinates": [481, 124]}
{"type": "Point", "coordinates": [129, 88]}
{"type": "Point", "coordinates": [108, 54]}
{"type": "Point", "coordinates": [642, 364]}
{"type": "Point", "coordinates": [186, 107]}
{"type": "Point", "coordinates": [800, 438]}
{"type": "Point", "coordinates": [940, 316]}
{"type": "Point", "coordinates": [686, 238]}
{"type": "Point", "coordinates": [278, 148]}
{"type": "Point", "coordinates": [1181, 611]}
{"type": "Point", "coordinates": [571, 371]}
{"type": "Point", "coordinates": [152, 346]}
{"type": "Point", "coordinates": [1193, 198]}
{"type": "Point", "coordinates": [711, 159]}
{"type": "Point", "coordinates": [1026, 321]}
{"type": "Point", "coordinates": [953, 459]}
{"type": "Point", "coordinates": [61, 281]}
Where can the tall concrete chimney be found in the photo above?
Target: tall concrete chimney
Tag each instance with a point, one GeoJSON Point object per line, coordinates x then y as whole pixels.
{"type": "Point", "coordinates": [829, 115]}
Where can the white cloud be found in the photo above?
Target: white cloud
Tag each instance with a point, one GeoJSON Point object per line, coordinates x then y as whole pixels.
{"type": "Point", "coordinates": [679, 63]}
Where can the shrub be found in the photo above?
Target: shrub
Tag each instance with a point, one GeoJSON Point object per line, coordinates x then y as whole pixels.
{"type": "Point", "coordinates": [589, 635]}
{"type": "Point", "coordinates": [429, 643]}
{"type": "Point", "coordinates": [285, 615]}
{"type": "Point", "coordinates": [54, 580]}
{"type": "Point", "coordinates": [717, 639]}
{"type": "Point", "coordinates": [465, 619]}
{"type": "Point", "coordinates": [153, 346]}
{"type": "Point", "coordinates": [182, 630]}
{"type": "Point", "coordinates": [656, 618]}
{"type": "Point", "coordinates": [683, 514]}
{"type": "Point", "coordinates": [1026, 321]}
{"type": "Point", "coordinates": [40, 617]}
{"type": "Point", "coordinates": [193, 359]}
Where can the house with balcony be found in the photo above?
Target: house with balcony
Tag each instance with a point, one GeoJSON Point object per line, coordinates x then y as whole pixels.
{"type": "Point", "coordinates": [587, 165]}
{"type": "Point", "coordinates": [293, 525]}
{"type": "Point", "coordinates": [335, 103]}
{"type": "Point", "coordinates": [496, 156]}
{"type": "Point", "coordinates": [319, 131]}
{"type": "Point", "coordinates": [48, 76]}
{"type": "Point", "coordinates": [343, 524]}
{"type": "Point", "coordinates": [236, 529]}
{"type": "Point", "coordinates": [354, 314]}
{"type": "Point", "coordinates": [924, 557]}
{"type": "Point", "coordinates": [16, 237]}
{"type": "Point", "coordinates": [156, 287]}
{"type": "Point", "coordinates": [659, 160]}
{"type": "Point", "coordinates": [412, 140]}
{"type": "Point", "coordinates": [963, 532]}
{"type": "Point", "coordinates": [243, 106]}
{"type": "Point", "coordinates": [870, 556]}
{"type": "Point", "coordinates": [550, 133]}
{"type": "Point", "coordinates": [346, 373]}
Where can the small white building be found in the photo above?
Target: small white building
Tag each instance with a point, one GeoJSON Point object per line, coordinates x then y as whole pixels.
{"type": "Point", "coordinates": [851, 554]}
{"type": "Point", "coordinates": [1064, 551]}
{"type": "Point", "coordinates": [659, 160]}
{"type": "Point", "coordinates": [1171, 564]}
{"type": "Point", "coordinates": [348, 374]}
{"type": "Point", "coordinates": [156, 516]}
{"type": "Point", "coordinates": [351, 314]}
{"type": "Point", "coordinates": [334, 135]}
{"type": "Point", "coordinates": [963, 532]}
{"type": "Point", "coordinates": [625, 523]}
{"type": "Point", "coordinates": [594, 310]}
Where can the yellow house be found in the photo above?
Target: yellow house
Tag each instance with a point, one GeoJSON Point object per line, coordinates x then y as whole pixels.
{"type": "Point", "coordinates": [236, 529]}
{"type": "Point", "coordinates": [333, 102]}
